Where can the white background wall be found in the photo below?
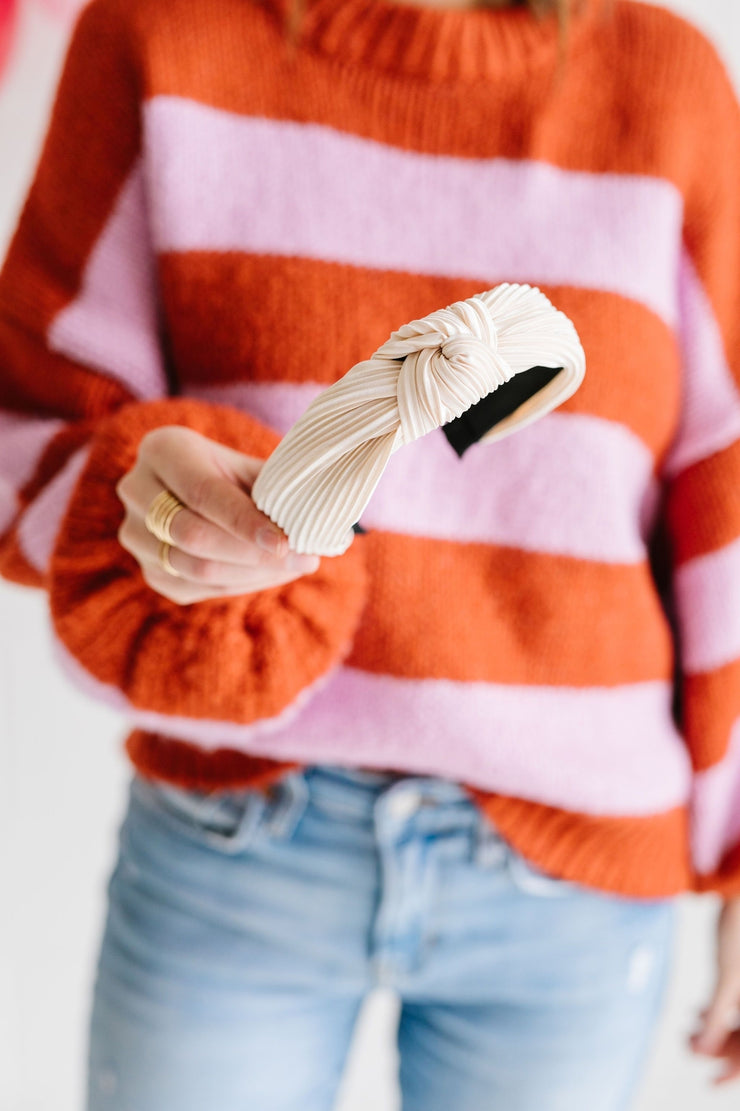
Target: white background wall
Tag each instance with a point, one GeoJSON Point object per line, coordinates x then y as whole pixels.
{"type": "Point", "coordinates": [63, 778]}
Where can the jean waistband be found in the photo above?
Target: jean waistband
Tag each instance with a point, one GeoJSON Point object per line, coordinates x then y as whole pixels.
{"type": "Point", "coordinates": [365, 785]}
{"type": "Point", "coordinates": [393, 802]}
{"type": "Point", "coordinates": [369, 776]}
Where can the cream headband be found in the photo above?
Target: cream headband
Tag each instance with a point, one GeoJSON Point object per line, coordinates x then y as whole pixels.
{"type": "Point", "coordinates": [318, 481]}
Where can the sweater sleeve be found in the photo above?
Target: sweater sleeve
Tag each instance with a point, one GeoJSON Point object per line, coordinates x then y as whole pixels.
{"type": "Point", "coordinates": [702, 473]}
{"type": "Point", "coordinates": [84, 374]}
{"type": "Point", "coordinates": [79, 320]}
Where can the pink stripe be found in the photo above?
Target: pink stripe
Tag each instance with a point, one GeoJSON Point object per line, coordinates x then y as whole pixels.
{"type": "Point", "coordinates": [707, 592]}
{"type": "Point", "coordinates": [40, 523]}
{"type": "Point", "coordinates": [715, 808]}
{"type": "Point", "coordinates": [23, 441]}
{"type": "Point", "coordinates": [369, 204]}
{"type": "Point", "coordinates": [595, 497]}
{"type": "Point", "coordinates": [8, 505]}
{"type": "Point", "coordinates": [183, 727]}
{"type": "Point", "coordinates": [597, 750]}
{"type": "Point", "coordinates": [710, 416]}
{"type": "Point", "coordinates": [112, 324]}
{"type": "Point", "coordinates": [276, 404]}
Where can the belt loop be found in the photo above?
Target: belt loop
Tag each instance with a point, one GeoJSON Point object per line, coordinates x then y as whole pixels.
{"type": "Point", "coordinates": [253, 808]}
{"type": "Point", "coordinates": [490, 849]}
{"type": "Point", "coordinates": [288, 798]}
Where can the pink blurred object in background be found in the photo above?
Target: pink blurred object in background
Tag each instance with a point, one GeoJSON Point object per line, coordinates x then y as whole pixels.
{"type": "Point", "coordinates": [63, 10]}
{"type": "Point", "coordinates": [8, 21]}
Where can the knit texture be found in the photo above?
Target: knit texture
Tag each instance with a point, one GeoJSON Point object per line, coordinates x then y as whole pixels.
{"type": "Point", "coordinates": [239, 660]}
{"type": "Point", "coordinates": [553, 619]}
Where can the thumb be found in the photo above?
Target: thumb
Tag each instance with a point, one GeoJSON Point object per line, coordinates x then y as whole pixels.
{"type": "Point", "coordinates": [717, 1021]}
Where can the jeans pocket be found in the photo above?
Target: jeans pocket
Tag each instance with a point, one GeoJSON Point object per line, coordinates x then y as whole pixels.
{"type": "Point", "coordinates": [533, 880]}
{"type": "Point", "coordinates": [222, 820]}
{"type": "Point", "coordinates": [225, 820]}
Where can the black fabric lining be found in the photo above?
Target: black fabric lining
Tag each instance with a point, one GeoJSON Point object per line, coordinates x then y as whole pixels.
{"type": "Point", "coordinates": [467, 429]}
{"type": "Point", "coordinates": [480, 418]}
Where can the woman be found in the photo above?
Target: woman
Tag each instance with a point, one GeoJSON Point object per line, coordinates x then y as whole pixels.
{"type": "Point", "coordinates": [448, 760]}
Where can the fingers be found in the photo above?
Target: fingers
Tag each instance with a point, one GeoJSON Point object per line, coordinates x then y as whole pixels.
{"type": "Point", "coordinates": [221, 544]}
{"type": "Point", "coordinates": [177, 590]}
{"type": "Point", "coordinates": [731, 1062]}
{"type": "Point", "coordinates": [728, 1050]}
{"type": "Point", "coordinates": [213, 482]}
{"type": "Point", "coordinates": [717, 1021]}
{"type": "Point", "coordinates": [257, 572]}
{"type": "Point", "coordinates": [190, 532]}
{"type": "Point", "coordinates": [717, 1036]}
{"type": "Point", "coordinates": [718, 1032]}
{"type": "Point", "coordinates": [186, 593]}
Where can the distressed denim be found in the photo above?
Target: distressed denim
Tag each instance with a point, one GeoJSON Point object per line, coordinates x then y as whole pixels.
{"type": "Point", "coordinates": [244, 930]}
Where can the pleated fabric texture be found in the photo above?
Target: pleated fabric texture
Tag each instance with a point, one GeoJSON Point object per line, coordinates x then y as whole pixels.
{"type": "Point", "coordinates": [322, 475]}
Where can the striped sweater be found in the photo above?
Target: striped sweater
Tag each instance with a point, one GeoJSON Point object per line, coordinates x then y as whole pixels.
{"type": "Point", "coordinates": [554, 619]}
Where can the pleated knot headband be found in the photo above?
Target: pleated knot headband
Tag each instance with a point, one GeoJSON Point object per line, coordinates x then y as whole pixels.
{"type": "Point", "coordinates": [503, 358]}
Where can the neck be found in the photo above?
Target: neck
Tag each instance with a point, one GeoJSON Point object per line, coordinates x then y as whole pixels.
{"type": "Point", "coordinates": [465, 3]}
{"type": "Point", "coordinates": [452, 41]}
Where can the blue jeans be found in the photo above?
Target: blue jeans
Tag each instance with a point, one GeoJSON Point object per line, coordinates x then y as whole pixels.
{"type": "Point", "coordinates": [244, 930]}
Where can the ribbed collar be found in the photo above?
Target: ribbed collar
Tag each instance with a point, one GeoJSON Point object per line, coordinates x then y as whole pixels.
{"type": "Point", "coordinates": [438, 43]}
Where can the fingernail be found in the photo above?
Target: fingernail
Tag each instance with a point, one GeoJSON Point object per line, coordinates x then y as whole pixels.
{"type": "Point", "coordinates": [270, 540]}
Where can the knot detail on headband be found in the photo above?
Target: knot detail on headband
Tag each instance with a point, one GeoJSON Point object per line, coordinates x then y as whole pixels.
{"type": "Point", "coordinates": [319, 479]}
{"type": "Point", "coordinates": [449, 360]}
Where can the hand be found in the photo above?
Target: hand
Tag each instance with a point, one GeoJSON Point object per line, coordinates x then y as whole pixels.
{"type": "Point", "coordinates": [719, 1034]}
{"type": "Point", "coordinates": [222, 545]}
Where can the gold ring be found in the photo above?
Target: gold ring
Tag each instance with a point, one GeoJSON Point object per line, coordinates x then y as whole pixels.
{"type": "Point", "coordinates": [164, 560]}
{"type": "Point", "coordinates": [161, 514]}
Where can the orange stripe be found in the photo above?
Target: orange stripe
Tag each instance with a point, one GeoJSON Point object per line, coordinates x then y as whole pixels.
{"type": "Point", "coordinates": [623, 341]}
{"type": "Point", "coordinates": [495, 122]}
{"type": "Point", "coordinates": [435, 610]}
{"type": "Point", "coordinates": [39, 382]}
{"type": "Point", "coordinates": [703, 505]}
{"type": "Point", "coordinates": [91, 142]}
{"type": "Point", "coordinates": [711, 707]}
{"type": "Point", "coordinates": [634, 856]}
{"type": "Point", "coordinates": [57, 452]}
{"type": "Point", "coordinates": [712, 222]}
{"type": "Point", "coordinates": [187, 766]}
